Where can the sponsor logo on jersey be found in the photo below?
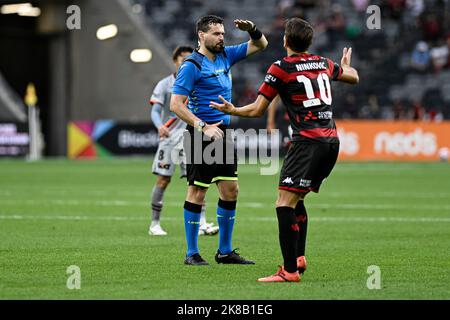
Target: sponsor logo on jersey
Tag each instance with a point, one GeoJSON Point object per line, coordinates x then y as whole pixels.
{"type": "Point", "coordinates": [325, 115]}
{"type": "Point", "coordinates": [270, 78]}
{"type": "Point", "coordinates": [163, 165]}
{"type": "Point", "coordinates": [305, 183]}
{"type": "Point", "coordinates": [310, 116]}
{"type": "Point", "coordinates": [288, 180]}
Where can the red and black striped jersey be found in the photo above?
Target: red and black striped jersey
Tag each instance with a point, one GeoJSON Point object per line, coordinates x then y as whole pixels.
{"type": "Point", "coordinates": [303, 83]}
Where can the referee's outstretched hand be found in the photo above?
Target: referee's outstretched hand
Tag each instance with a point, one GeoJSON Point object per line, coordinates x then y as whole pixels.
{"type": "Point", "coordinates": [213, 131]}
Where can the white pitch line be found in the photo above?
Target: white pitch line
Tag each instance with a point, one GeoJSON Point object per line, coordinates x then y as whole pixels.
{"type": "Point", "coordinates": [242, 204]}
{"type": "Point", "coordinates": [332, 194]}
{"type": "Point", "coordinates": [387, 194]}
{"type": "Point", "coordinates": [369, 206]}
{"type": "Point", "coordinates": [245, 218]}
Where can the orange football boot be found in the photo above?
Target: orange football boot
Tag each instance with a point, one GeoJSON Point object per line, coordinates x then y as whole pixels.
{"type": "Point", "coordinates": [301, 264]}
{"type": "Point", "coordinates": [282, 276]}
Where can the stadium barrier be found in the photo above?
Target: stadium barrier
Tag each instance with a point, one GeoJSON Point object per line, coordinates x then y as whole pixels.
{"type": "Point", "coordinates": [393, 140]}
{"type": "Point", "coordinates": [105, 138]}
{"type": "Point", "coordinates": [360, 140]}
{"type": "Point", "coordinates": [14, 139]}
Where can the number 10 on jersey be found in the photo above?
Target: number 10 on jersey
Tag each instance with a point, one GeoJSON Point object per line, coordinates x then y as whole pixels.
{"type": "Point", "coordinates": [324, 87]}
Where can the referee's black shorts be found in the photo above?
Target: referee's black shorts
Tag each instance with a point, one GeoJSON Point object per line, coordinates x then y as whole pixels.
{"type": "Point", "coordinates": [209, 161]}
{"type": "Point", "coordinates": [306, 165]}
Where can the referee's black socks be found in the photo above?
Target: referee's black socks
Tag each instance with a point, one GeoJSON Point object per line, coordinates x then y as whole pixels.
{"type": "Point", "coordinates": [302, 222]}
{"type": "Point", "coordinates": [288, 234]}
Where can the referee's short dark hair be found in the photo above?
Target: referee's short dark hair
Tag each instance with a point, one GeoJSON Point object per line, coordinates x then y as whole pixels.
{"type": "Point", "coordinates": [299, 34]}
{"type": "Point", "coordinates": [204, 23]}
{"type": "Point", "coordinates": [179, 50]}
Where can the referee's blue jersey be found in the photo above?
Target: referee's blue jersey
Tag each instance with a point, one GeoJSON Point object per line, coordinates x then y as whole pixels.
{"type": "Point", "coordinates": [202, 81]}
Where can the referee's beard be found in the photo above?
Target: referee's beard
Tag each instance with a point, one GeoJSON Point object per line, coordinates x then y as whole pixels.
{"type": "Point", "coordinates": [218, 48]}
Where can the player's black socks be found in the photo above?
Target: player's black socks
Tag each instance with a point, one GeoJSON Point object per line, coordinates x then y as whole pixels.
{"type": "Point", "coordinates": [288, 233]}
{"type": "Point", "coordinates": [302, 222]}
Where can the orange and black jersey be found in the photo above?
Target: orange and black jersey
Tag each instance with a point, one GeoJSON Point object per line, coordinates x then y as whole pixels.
{"type": "Point", "coordinates": [303, 83]}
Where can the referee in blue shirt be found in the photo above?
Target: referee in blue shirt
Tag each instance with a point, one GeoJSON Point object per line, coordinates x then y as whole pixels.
{"type": "Point", "coordinates": [203, 77]}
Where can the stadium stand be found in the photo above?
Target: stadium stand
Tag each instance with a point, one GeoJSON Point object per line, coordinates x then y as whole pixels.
{"type": "Point", "coordinates": [396, 89]}
{"type": "Point", "coordinates": [11, 105]}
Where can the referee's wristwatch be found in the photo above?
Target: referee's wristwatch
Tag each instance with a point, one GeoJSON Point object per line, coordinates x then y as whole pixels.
{"type": "Point", "coordinates": [200, 126]}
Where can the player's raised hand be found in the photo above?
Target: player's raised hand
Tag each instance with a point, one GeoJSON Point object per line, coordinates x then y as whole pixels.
{"type": "Point", "coordinates": [213, 131]}
{"type": "Point", "coordinates": [244, 25]}
{"type": "Point", "coordinates": [349, 74]}
{"type": "Point", "coordinates": [346, 57]}
{"type": "Point", "coordinates": [225, 107]}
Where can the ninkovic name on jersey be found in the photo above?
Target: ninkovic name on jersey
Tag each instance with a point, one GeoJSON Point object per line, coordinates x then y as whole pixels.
{"type": "Point", "coordinates": [311, 66]}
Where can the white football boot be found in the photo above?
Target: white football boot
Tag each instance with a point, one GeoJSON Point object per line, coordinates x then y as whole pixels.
{"type": "Point", "coordinates": [156, 230]}
{"type": "Point", "coordinates": [208, 229]}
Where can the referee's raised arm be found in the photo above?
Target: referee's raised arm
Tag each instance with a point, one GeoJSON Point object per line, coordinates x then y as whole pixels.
{"type": "Point", "coordinates": [258, 41]}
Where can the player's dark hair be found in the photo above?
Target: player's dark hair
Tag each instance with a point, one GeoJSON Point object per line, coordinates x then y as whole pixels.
{"type": "Point", "coordinates": [179, 50]}
{"type": "Point", "coordinates": [299, 34]}
{"type": "Point", "coordinates": [204, 23]}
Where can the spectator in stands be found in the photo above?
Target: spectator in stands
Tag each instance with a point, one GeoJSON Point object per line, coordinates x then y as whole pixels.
{"type": "Point", "coordinates": [307, 4]}
{"type": "Point", "coordinates": [399, 111]}
{"type": "Point", "coordinates": [417, 110]}
{"type": "Point", "coordinates": [371, 109]}
{"type": "Point", "coordinates": [284, 6]}
{"type": "Point", "coordinates": [248, 95]}
{"type": "Point", "coordinates": [335, 25]}
{"type": "Point", "coordinates": [395, 8]}
{"type": "Point", "coordinates": [351, 107]}
{"type": "Point", "coordinates": [285, 9]}
{"type": "Point", "coordinates": [220, 12]}
{"type": "Point", "coordinates": [420, 58]}
{"type": "Point", "coordinates": [278, 22]}
{"type": "Point", "coordinates": [439, 56]}
{"type": "Point", "coordinates": [448, 47]}
{"type": "Point", "coordinates": [360, 5]}
{"type": "Point", "coordinates": [431, 27]}
{"type": "Point", "coordinates": [415, 7]}
{"type": "Point", "coordinates": [433, 115]}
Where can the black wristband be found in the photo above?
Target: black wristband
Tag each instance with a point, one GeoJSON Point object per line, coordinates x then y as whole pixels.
{"type": "Point", "coordinates": [255, 34]}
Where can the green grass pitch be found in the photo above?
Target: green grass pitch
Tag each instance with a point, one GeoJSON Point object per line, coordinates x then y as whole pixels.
{"type": "Point", "coordinates": [95, 215]}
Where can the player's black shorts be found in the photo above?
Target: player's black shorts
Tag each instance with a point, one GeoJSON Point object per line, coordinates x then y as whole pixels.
{"type": "Point", "coordinates": [306, 165]}
{"type": "Point", "coordinates": [209, 161]}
